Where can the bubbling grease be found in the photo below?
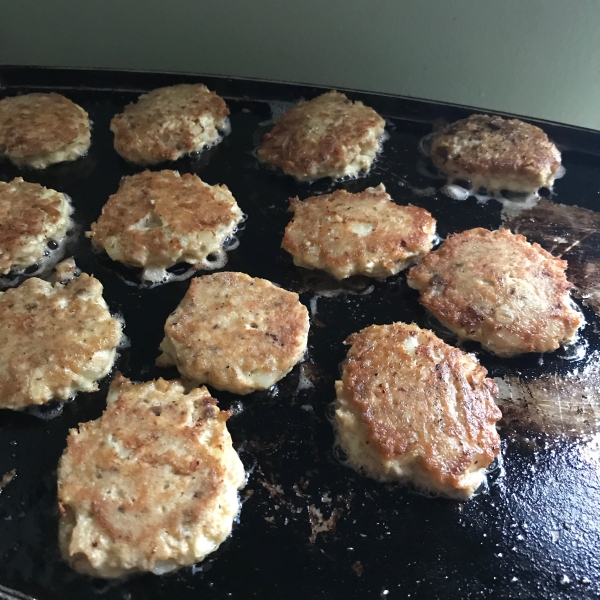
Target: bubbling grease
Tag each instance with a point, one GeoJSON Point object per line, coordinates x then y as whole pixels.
{"type": "Point", "coordinates": [53, 254]}
{"type": "Point", "coordinates": [152, 277]}
{"type": "Point", "coordinates": [222, 131]}
{"type": "Point", "coordinates": [513, 203]}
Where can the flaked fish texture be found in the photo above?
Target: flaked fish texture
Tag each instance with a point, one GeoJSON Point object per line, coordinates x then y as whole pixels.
{"type": "Point", "coordinates": [571, 233]}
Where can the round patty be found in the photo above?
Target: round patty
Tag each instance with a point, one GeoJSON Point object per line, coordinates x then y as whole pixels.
{"type": "Point", "coordinates": [169, 123]}
{"type": "Point", "coordinates": [357, 234]}
{"type": "Point", "coordinates": [235, 332]}
{"type": "Point", "coordinates": [149, 486]}
{"type": "Point", "coordinates": [412, 409]}
{"type": "Point", "coordinates": [496, 153]}
{"type": "Point", "coordinates": [329, 136]}
{"type": "Point", "coordinates": [158, 219]}
{"type": "Point", "coordinates": [38, 130]}
{"type": "Point", "coordinates": [30, 217]}
{"type": "Point", "coordinates": [497, 289]}
{"type": "Point", "coordinates": [54, 340]}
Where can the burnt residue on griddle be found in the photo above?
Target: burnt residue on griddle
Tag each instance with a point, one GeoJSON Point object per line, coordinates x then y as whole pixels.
{"type": "Point", "coordinates": [318, 522]}
{"type": "Point", "coordinates": [560, 403]}
{"type": "Point", "coordinates": [303, 503]}
{"type": "Point", "coordinates": [7, 478]}
{"type": "Point", "coordinates": [571, 233]}
{"type": "Point", "coordinates": [553, 404]}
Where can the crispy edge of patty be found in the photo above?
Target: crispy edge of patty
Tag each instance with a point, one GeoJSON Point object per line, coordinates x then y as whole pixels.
{"type": "Point", "coordinates": [235, 332]}
{"type": "Point", "coordinates": [157, 219]}
{"type": "Point", "coordinates": [477, 304]}
{"type": "Point", "coordinates": [496, 153]}
{"type": "Point", "coordinates": [38, 130]}
{"type": "Point", "coordinates": [331, 232]}
{"type": "Point", "coordinates": [328, 136]}
{"type": "Point", "coordinates": [413, 409]}
{"type": "Point", "coordinates": [158, 464]}
{"type": "Point", "coordinates": [168, 123]}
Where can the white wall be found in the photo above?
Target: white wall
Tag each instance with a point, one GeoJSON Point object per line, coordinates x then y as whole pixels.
{"type": "Point", "coordinates": [532, 57]}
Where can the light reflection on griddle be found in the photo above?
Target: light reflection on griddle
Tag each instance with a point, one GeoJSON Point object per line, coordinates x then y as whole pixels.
{"type": "Point", "coordinates": [571, 233]}
{"type": "Point", "coordinates": [555, 404]}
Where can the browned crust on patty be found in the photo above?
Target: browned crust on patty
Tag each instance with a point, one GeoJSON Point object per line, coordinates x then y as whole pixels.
{"type": "Point", "coordinates": [328, 232]}
{"type": "Point", "coordinates": [51, 335]}
{"type": "Point", "coordinates": [177, 207]}
{"type": "Point", "coordinates": [230, 328]}
{"type": "Point", "coordinates": [430, 404]}
{"type": "Point", "coordinates": [27, 211]}
{"type": "Point", "coordinates": [33, 124]}
{"type": "Point", "coordinates": [496, 288]}
{"type": "Point", "coordinates": [168, 123]}
{"type": "Point", "coordinates": [323, 137]}
{"type": "Point", "coordinates": [496, 153]}
{"type": "Point", "coordinates": [153, 466]}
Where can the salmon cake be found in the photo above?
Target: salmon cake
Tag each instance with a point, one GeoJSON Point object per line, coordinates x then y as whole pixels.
{"type": "Point", "coordinates": [159, 219]}
{"type": "Point", "coordinates": [329, 136]}
{"type": "Point", "coordinates": [497, 154]}
{"type": "Point", "coordinates": [170, 122]}
{"type": "Point", "coordinates": [39, 130]}
{"type": "Point", "coordinates": [357, 234]}
{"type": "Point", "coordinates": [152, 485]}
{"type": "Point", "coordinates": [497, 289]}
{"type": "Point", "coordinates": [55, 340]}
{"type": "Point", "coordinates": [235, 332]}
{"type": "Point", "coordinates": [31, 216]}
{"type": "Point", "coordinates": [412, 409]}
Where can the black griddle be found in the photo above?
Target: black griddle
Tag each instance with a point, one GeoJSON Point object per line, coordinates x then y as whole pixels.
{"type": "Point", "coordinates": [309, 526]}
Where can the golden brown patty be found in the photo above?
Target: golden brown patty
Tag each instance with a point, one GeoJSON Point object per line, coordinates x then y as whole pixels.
{"type": "Point", "coordinates": [497, 289]}
{"type": "Point", "coordinates": [496, 153]}
{"type": "Point", "coordinates": [357, 234]}
{"type": "Point", "coordinates": [149, 486]}
{"type": "Point", "coordinates": [156, 220]}
{"type": "Point", "coordinates": [54, 340]}
{"type": "Point", "coordinates": [38, 130]}
{"type": "Point", "coordinates": [327, 137]}
{"type": "Point", "coordinates": [30, 216]}
{"type": "Point", "coordinates": [169, 123]}
{"type": "Point", "coordinates": [235, 332]}
{"type": "Point", "coordinates": [412, 409]}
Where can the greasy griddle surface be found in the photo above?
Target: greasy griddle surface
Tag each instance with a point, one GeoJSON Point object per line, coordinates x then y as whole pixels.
{"type": "Point", "coordinates": [309, 526]}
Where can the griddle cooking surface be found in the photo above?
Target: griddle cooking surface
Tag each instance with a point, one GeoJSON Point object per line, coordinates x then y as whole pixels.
{"type": "Point", "coordinates": [309, 526]}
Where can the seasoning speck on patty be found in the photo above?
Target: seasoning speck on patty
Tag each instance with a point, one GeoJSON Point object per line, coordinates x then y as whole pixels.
{"type": "Point", "coordinates": [152, 485]}
{"type": "Point", "coordinates": [329, 136]}
{"type": "Point", "coordinates": [496, 153]}
{"type": "Point", "coordinates": [410, 408]}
